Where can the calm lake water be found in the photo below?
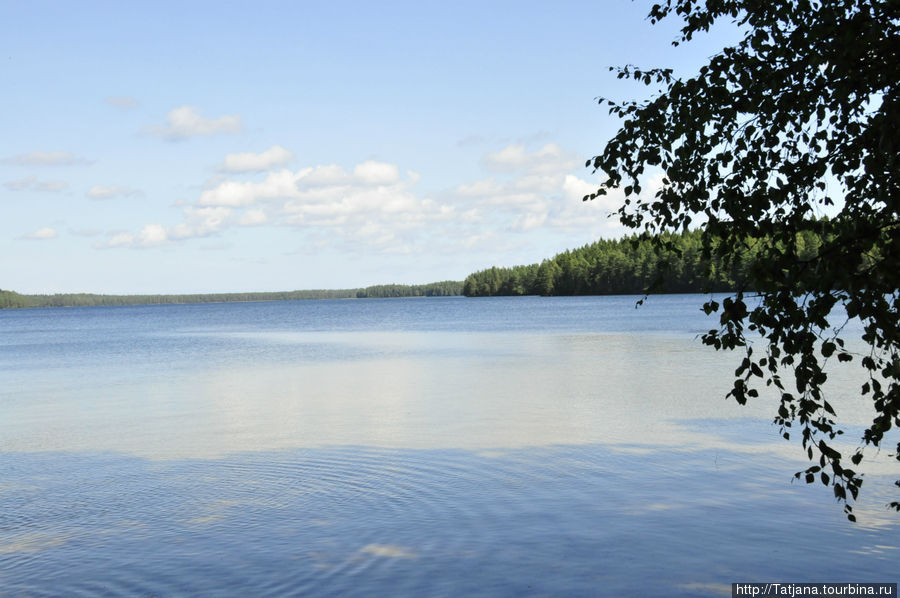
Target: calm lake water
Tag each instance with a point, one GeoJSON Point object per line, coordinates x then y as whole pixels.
{"type": "Point", "coordinates": [409, 447]}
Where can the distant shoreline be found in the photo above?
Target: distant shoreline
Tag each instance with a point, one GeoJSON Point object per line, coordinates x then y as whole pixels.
{"type": "Point", "coordinates": [14, 300]}
{"type": "Point", "coordinates": [627, 266]}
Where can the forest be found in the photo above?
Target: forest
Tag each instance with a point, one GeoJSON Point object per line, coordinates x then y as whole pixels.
{"type": "Point", "coordinates": [673, 263]}
{"type": "Point", "coordinates": [444, 288]}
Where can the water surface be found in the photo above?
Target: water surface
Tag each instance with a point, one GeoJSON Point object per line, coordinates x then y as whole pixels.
{"type": "Point", "coordinates": [417, 447]}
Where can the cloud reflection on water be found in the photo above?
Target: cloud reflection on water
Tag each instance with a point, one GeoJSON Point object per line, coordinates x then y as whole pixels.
{"type": "Point", "coordinates": [424, 390]}
{"type": "Point", "coordinates": [416, 390]}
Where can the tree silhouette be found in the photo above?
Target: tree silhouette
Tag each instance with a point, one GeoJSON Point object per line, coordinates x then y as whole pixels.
{"type": "Point", "coordinates": [797, 121]}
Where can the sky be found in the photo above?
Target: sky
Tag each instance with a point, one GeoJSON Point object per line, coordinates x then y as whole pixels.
{"type": "Point", "coordinates": [194, 147]}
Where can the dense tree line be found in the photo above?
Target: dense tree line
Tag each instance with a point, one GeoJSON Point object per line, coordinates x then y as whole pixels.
{"type": "Point", "coordinates": [445, 288]}
{"type": "Point", "coordinates": [630, 265]}
{"type": "Point", "coordinates": [608, 267]}
{"type": "Point", "coordinates": [12, 299]}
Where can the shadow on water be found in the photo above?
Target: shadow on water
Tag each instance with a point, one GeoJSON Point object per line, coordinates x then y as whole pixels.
{"type": "Point", "coordinates": [358, 521]}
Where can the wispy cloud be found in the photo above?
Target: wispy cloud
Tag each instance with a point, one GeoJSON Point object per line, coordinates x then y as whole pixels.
{"type": "Point", "coordinates": [551, 158]}
{"type": "Point", "coordinates": [122, 102]}
{"type": "Point", "coordinates": [151, 235]}
{"type": "Point", "coordinates": [376, 173]}
{"type": "Point", "coordinates": [311, 185]}
{"type": "Point", "coordinates": [470, 141]}
{"type": "Point", "coordinates": [536, 189]}
{"type": "Point", "coordinates": [372, 203]}
{"type": "Point", "coordinates": [41, 234]}
{"type": "Point", "coordinates": [253, 218]}
{"type": "Point", "coordinates": [250, 162]}
{"type": "Point", "coordinates": [32, 183]}
{"type": "Point", "coordinates": [51, 186]}
{"type": "Point", "coordinates": [111, 192]}
{"type": "Point", "coordinates": [186, 121]}
{"type": "Point", "coordinates": [40, 158]}
{"type": "Point", "coordinates": [480, 188]}
{"type": "Point", "coordinates": [197, 223]}
{"type": "Point", "coordinates": [85, 232]}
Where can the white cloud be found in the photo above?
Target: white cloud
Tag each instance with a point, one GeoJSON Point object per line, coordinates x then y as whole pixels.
{"type": "Point", "coordinates": [111, 191]}
{"type": "Point", "coordinates": [356, 206]}
{"type": "Point", "coordinates": [40, 158]}
{"type": "Point", "coordinates": [186, 121]}
{"type": "Point", "coordinates": [330, 174]}
{"type": "Point", "coordinates": [117, 240]}
{"type": "Point", "coordinates": [196, 223]}
{"type": "Point", "coordinates": [510, 157]}
{"type": "Point", "coordinates": [539, 190]}
{"type": "Point", "coordinates": [41, 234]}
{"type": "Point", "coordinates": [480, 188]}
{"type": "Point", "coordinates": [538, 183]}
{"type": "Point", "coordinates": [253, 218]}
{"type": "Point", "coordinates": [551, 158]}
{"type": "Point", "coordinates": [122, 102]}
{"type": "Point", "coordinates": [277, 185]}
{"type": "Point", "coordinates": [152, 235]}
{"type": "Point", "coordinates": [51, 186]}
{"type": "Point", "coordinates": [200, 222]}
{"type": "Point", "coordinates": [376, 173]}
{"type": "Point", "coordinates": [527, 200]}
{"type": "Point", "coordinates": [312, 185]}
{"type": "Point", "coordinates": [577, 188]}
{"type": "Point", "coordinates": [21, 184]}
{"type": "Point", "coordinates": [371, 206]}
{"type": "Point", "coordinates": [526, 222]}
{"type": "Point", "coordinates": [31, 183]}
{"type": "Point", "coordinates": [250, 162]}
{"type": "Point", "coordinates": [85, 232]}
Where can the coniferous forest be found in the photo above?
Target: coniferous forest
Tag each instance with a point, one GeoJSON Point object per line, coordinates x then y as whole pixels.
{"type": "Point", "coordinates": [630, 265]}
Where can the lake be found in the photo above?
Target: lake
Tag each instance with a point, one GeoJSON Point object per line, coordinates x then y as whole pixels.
{"type": "Point", "coordinates": [407, 447]}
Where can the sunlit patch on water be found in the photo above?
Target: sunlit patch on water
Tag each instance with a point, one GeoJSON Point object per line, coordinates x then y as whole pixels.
{"type": "Point", "coordinates": [388, 551]}
{"type": "Point", "coordinates": [30, 542]}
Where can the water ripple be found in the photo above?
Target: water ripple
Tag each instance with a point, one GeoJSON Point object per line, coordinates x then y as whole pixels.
{"type": "Point", "coordinates": [358, 521]}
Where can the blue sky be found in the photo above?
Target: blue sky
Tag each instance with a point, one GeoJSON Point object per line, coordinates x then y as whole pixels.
{"type": "Point", "coordinates": [225, 146]}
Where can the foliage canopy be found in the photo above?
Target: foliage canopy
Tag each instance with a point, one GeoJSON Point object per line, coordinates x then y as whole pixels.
{"type": "Point", "coordinates": [797, 120]}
